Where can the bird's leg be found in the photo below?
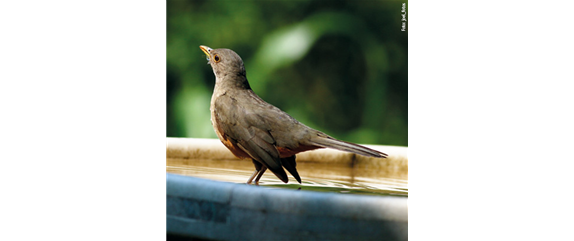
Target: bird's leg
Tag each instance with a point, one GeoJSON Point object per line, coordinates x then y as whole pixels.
{"type": "Point", "coordinates": [258, 169]}
{"type": "Point", "coordinates": [252, 176]}
{"type": "Point", "coordinates": [260, 175]}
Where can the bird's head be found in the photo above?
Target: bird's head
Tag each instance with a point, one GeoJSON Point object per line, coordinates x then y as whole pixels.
{"type": "Point", "coordinates": [226, 64]}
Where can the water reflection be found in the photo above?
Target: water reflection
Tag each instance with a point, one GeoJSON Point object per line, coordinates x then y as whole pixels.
{"type": "Point", "coordinates": [315, 176]}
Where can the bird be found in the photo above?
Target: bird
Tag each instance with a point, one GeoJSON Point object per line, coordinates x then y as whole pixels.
{"type": "Point", "coordinates": [254, 129]}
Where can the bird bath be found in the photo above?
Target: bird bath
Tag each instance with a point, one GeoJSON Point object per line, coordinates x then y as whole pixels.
{"type": "Point", "coordinates": [342, 195]}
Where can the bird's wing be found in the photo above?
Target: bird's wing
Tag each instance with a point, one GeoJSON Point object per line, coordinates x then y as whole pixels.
{"type": "Point", "coordinates": [249, 132]}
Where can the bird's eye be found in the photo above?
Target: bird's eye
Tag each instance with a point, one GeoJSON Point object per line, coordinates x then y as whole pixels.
{"type": "Point", "coordinates": [216, 58]}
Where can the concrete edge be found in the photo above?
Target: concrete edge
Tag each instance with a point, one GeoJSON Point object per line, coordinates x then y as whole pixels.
{"type": "Point", "coordinates": [204, 208]}
{"type": "Point", "coordinates": [202, 148]}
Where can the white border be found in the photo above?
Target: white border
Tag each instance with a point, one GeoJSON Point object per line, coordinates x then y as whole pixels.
{"type": "Point", "coordinates": [491, 168]}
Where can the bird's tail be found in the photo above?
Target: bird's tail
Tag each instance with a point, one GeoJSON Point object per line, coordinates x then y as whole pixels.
{"type": "Point", "coordinates": [329, 142]}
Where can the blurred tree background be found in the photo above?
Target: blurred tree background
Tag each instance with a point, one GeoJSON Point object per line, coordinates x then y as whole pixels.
{"type": "Point", "coordinates": [336, 66]}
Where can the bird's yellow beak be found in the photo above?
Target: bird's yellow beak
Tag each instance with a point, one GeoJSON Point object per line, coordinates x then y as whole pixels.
{"type": "Point", "coordinates": [206, 50]}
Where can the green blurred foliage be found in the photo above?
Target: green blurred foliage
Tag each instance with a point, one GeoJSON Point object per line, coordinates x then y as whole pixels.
{"type": "Point", "coordinates": [336, 66]}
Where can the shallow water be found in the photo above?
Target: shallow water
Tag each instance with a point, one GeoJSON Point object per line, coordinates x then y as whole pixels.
{"type": "Point", "coordinates": [315, 176]}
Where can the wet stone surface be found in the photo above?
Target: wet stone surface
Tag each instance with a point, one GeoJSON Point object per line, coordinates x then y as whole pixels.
{"type": "Point", "coordinates": [315, 176]}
